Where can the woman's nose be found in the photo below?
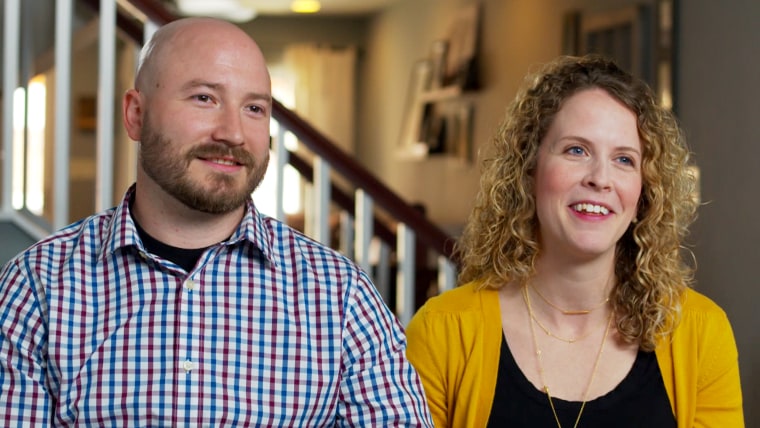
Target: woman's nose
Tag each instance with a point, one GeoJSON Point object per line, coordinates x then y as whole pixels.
{"type": "Point", "coordinates": [598, 176]}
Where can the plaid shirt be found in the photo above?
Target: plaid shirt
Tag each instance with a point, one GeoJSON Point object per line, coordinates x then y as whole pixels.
{"type": "Point", "coordinates": [269, 329]}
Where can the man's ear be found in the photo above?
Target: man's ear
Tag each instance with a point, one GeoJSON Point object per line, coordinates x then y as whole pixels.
{"type": "Point", "coordinates": [132, 113]}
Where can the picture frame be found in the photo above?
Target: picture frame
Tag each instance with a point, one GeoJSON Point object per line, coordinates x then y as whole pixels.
{"type": "Point", "coordinates": [411, 138]}
{"type": "Point", "coordinates": [437, 116]}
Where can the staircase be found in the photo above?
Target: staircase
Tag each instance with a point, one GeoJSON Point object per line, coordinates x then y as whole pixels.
{"type": "Point", "coordinates": [408, 257]}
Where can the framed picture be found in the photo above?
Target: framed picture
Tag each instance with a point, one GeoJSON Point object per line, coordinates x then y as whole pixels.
{"type": "Point", "coordinates": [438, 113]}
{"type": "Point", "coordinates": [411, 138]}
{"type": "Point", "coordinates": [462, 57]}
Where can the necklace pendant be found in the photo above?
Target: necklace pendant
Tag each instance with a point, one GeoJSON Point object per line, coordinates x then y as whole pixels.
{"type": "Point", "coordinates": [580, 312]}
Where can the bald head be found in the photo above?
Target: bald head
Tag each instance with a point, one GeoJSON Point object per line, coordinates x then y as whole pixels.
{"type": "Point", "coordinates": [179, 41]}
{"type": "Point", "coordinates": [201, 111]}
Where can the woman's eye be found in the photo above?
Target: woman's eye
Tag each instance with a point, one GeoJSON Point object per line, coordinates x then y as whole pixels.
{"type": "Point", "coordinates": [626, 160]}
{"type": "Point", "coordinates": [575, 150]}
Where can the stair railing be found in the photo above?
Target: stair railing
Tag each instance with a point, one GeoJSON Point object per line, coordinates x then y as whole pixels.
{"type": "Point", "coordinates": [407, 243]}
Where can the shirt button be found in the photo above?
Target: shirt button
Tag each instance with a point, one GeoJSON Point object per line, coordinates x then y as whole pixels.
{"type": "Point", "coordinates": [190, 285]}
{"type": "Point", "coordinates": [187, 365]}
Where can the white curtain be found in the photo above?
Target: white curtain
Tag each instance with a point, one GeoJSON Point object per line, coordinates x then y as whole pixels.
{"type": "Point", "coordinates": [324, 92]}
{"type": "Point", "coordinates": [325, 89]}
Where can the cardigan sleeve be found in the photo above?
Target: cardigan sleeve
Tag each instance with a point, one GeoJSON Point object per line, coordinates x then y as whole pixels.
{"type": "Point", "coordinates": [700, 367]}
{"type": "Point", "coordinates": [719, 396]}
{"type": "Point", "coordinates": [453, 341]}
{"type": "Point", "coordinates": [426, 358]}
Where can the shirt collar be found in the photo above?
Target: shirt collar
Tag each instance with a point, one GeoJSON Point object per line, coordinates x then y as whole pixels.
{"type": "Point", "coordinates": [122, 232]}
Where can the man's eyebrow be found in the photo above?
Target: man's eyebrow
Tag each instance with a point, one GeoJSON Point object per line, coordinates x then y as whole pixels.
{"type": "Point", "coordinates": [198, 83]}
{"type": "Point", "coordinates": [260, 96]}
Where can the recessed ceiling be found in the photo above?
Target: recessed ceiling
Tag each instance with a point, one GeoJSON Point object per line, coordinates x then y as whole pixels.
{"type": "Point", "coordinates": [348, 7]}
{"type": "Point", "coordinates": [329, 7]}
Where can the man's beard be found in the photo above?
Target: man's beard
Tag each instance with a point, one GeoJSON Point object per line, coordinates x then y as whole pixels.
{"type": "Point", "coordinates": [218, 194]}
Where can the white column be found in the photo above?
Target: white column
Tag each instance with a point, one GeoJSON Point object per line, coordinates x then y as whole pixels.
{"type": "Point", "coordinates": [11, 38]}
{"type": "Point", "coordinates": [63, 27]}
{"type": "Point", "coordinates": [105, 127]}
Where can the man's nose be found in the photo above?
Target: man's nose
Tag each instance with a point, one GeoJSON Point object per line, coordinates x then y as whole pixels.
{"type": "Point", "coordinates": [229, 127]}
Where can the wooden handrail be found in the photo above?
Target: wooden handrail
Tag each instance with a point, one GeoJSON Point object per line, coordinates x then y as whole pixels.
{"type": "Point", "coordinates": [155, 11]}
{"type": "Point", "coordinates": [430, 234]}
{"type": "Point", "coordinates": [132, 27]}
{"type": "Point", "coordinates": [345, 201]}
{"type": "Point", "coordinates": [427, 232]}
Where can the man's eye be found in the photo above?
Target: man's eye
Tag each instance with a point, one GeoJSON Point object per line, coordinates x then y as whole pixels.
{"type": "Point", "coordinates": [203, 98]}
{"type": "Point", "coordinates": [255, 109]}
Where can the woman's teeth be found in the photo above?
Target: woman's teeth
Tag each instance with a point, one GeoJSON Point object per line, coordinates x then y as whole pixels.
{"type": "Point", "coordinates": [591, 208]}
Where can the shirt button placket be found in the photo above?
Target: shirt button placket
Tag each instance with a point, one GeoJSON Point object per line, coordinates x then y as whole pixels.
{"type": "Point", "coordinates": [189, 313]}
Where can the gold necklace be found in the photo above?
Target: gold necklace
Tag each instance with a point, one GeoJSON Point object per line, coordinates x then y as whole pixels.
{"type": "Point", "coordinates": [550, 334]}
{"type": "Point", "coordinates": [541, 368]}
{"type": "Point", "coordinates": [569, 311]}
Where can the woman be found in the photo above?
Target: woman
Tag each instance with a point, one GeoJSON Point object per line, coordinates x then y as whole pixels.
{"type": "Point", "coordinates": [575, 308]}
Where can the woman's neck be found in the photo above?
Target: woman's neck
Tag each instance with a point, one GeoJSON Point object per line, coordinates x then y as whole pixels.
{"type": "Point", "coordinates": [572, 284]}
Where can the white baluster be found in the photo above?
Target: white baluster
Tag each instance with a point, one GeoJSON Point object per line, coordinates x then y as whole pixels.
{"type": "Point", "coordinates": [321, 201]}
{"type": "Point", "coordinates": [364, 229]}
{"type": "Point", "coordinates": [406, 272]}
{"type": "Point", "coordinates": [282, 155]}
{"type": "Point", "coordinates": [446, 274]}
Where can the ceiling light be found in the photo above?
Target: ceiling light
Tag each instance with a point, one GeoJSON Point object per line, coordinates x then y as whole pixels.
{"type": "Point", "coordinates": [230, 10]}
{"type": "Point", "coordinates": [305, 6]}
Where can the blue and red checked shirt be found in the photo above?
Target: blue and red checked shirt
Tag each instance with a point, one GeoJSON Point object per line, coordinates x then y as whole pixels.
{"type": "Point", "coordinates": [270, 329]}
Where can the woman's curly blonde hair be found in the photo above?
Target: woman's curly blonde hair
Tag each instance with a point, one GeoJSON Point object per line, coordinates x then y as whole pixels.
{"type": "Point", "coordinates": [499, 244]}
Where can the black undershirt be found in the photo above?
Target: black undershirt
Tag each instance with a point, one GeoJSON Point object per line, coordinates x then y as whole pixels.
{"type": "Point", "coordinates": [640, 400]}
{"type": "Point", "coordinates": [186, 258]}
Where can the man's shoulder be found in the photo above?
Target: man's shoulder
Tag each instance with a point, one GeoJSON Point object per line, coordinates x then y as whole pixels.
{"type": "Point", "coordinates": [287, 242]}
{"type": "Point", "coordinates": [89, 232]}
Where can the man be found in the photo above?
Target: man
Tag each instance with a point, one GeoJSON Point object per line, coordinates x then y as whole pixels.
{"type": "Point", "coordinates": [183, 306]}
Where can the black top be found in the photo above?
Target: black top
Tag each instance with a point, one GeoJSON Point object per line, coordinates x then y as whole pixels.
{"type": "Point", "coordinates": [640, 400]}
{"type": "Point", "coordinates": [182, 257]}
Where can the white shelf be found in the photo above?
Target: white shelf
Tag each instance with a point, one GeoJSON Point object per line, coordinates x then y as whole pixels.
{"type": "Point", "coordinates": [440, 94]}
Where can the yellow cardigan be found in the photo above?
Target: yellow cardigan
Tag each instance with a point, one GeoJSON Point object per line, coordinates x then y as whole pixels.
{"type": "Point", "coordinates": [454, 342]}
